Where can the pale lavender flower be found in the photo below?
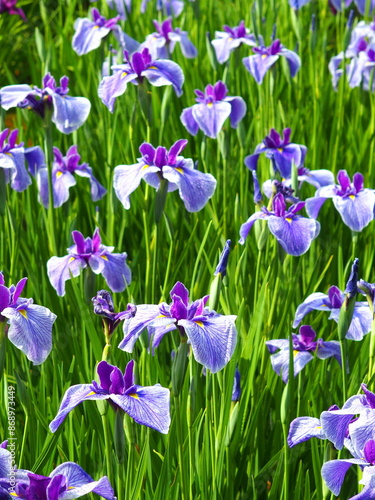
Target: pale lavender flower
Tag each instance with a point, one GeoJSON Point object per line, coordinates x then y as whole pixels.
{"type": "Point", "coordinates": [89, 34]}
{"type": "Point", "coordinates": [230, 39]}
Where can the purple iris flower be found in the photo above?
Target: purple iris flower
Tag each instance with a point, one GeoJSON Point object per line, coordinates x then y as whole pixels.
{"type": "Point", "coordinates": [121, 6]}
{"type": "Point", "coordinates": [14, 157]}
{"type": "Point", "coordinates": [297, 4]}
{"type": "Point", "coordinates": [362, 317]}
{"type": "Point", "coordinates": [236, 391]}
{"type": "Point", "coordinates": [89, 252]}
{"type": "Point", "coordinates": [230, 39]}
{"type": "Point", "coordinates": [212, 109]}
{"type": "Point", "coordinates": [169, 7]}
{"type": "Point", "coordinates": [280, 151]}
{"type": "Point", "coordinates": [65, 482]}
{"type": "Point", "coordinates": [103, 306]}
{"type": "Point", "coordinates": [5, 462]}
{"type": "Point", "coordinates": [360, 4]}
{"type": "Point", "coordinates": [221, 268]}
{"type": "Point", "coordinates": [367, 289]}
{"type": "Point", "coordinates": [88, 34]}
{"type": "Point", "coordinates": [304, 347]}
{"type": "Point", "coordinates": [146, 405]}
{"type": "Point", "coordinates": [354, 203]}
{"type": "Point", "coordinates": [294, 232]}
{"type": "Point", "coordinates": [162, 43]}
{"type": "Point", "coordinates": [212, 336]}
{"type": "Point", "coordinates": [63, 169]}
{"type": "Point", "coordinates": [29, 325]}
{"type": "Point", "coordinates": [265, 57]}
{"type": "Point", "coordinates": [194, 187]}
{"type": "Point", "coordinates": [9, 6]}
{"type": "Point", "coordinates": [69, 113]}
{"type": "Point", "coordinates": [137, 67]}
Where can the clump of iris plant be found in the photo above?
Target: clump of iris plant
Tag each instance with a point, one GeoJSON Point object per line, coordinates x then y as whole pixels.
{"type": "Point", "coordinates": [265, 58]}
{"type": "Point", "coordinates": [146, 405]}
{"type": "Point", "coordinates": [225, 42]}
{"type": "Point", "coordinates": [9, 6]}
{"type": "Point", "coordinates": [139, 66]}
{"type": "Point", "coordinates": [213, 107]}
{"type": "Point", "coordinates": [332, 302]}
{"type": "Point", "coordinates": [294, 232]}
{"type": "Point", "coordinates": [27, 325]}
{"type": "Point", "coordinates": [68, 480]}
{"type": "Point", "coordinates": [304, 348]}
{"type": "Point", "coordinates": [63, 170]}
{"type": "Point", "coordinates": [68, 113]}
{"type": "Point", "coordinates": [89, 34]}
{"type": "Point", "coordinates": [354, 203]}
{"type": "Point", "coordinates": [89, 252]}
{"type": "Point", "coordinates": [212, 336]}
{"type": "Point", "coordinates": [157, 165]}
{"type": "Point", "coordinates": [15, 157]}
{"type": "Point", "coordinates": [161, 44]}
{"type": "Point", "coordinates": [351, 426]}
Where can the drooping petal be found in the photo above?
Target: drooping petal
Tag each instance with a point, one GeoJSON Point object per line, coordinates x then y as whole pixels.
{"type": "Point", "coordinates": [275, 345]}
{"type": "Point", "coordinates": [60, 268]}
{"type": "Point", "coordinates": [293, 59]}
{"type": "Point", "coordinates": [127, 178]}
{"type": "Point", "coordinates": [61, 182]}
{"type": "Point", "coordinates": [224, 46]}
{"type": "Point", "coordinates": [11, 95]}
{"type": "Point", "coordinates": [195, 188]}
{"type": "Point", "coordinates": [73, 396]}
{"type": "Point", "coordinates": [361, 321]}
{"type": "Point", "coordinates": [147, 406]}
{"type": "Point", "coordinates": [133, 327]}
{"type": "Point", "coordinates": [213, 340]}
{"type": "Point", "coordinates": [356, 211]}
{"type": "Point", "coordinates": [69, 113]}
{"type": "Point", "coordinates": [5, 297]}
{"type": "Point", "coordinates": [280, 362]}
{"type": "Point", "coordinates": [246, 226]}
{"type": "Point", "coordinates": [296, 235]}
{"type": "Point", "coordinates": [189, 121]}
{"type": "Point", "coordinates": [5, 461]}
{"type": "Point", "coordinates": [114, 269]}
{"type": "Point", "coordinates": [316, 301]}
{"type": "Point", "coordinates": [79, 483]}
{"type": "Point", "coordinates": [329, 349]}
{"type": "Point", "coordinates": [211, 116]}
{"type": "Point", "coordinates": [334, 471]}
{"type": "Point", "coordinates": [258, 65]}
{"type": "Point", "coordinates": [35, 159]}
{"type": "Point", "coordinates": [304, 428]}
{"type": "Point", "coordinates": [31, 330]}
{"type": "Point", "coordinates": [97, 190]}
{"type": "Point", "coordinates": [87, 36]}
{"type": "Point", "coordinates": [238, 110]}
{"type": "Point", "coordinates": [19, 178]}
{"type": "Point", "coordinates": [164, 72]}
{"type": "Point", "coordinates": [113, 86]}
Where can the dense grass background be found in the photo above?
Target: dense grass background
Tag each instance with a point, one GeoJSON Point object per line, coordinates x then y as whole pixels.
{"type": "Point", "coordinates": [230, 450]}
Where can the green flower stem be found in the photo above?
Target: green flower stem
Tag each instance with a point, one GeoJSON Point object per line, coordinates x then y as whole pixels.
{"type": "Point", "coordinates": [48, 150]}
{"type": "Point", "coordinates": [107, 447]}
{"type": "Point", "coordinates": [184, 491]}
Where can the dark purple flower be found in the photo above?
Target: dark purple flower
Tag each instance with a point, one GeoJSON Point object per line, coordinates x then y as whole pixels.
{"type": "Point", "coordinates": [294, 232]}
{"type": "Point", "coordinates": [354, 203]}
{"type": "Point", "coordinates": [265, 57]}
{"type": "Point", "coordinates": [89, 252]}
{"type": "Point", "coordinates": [9, 6]}
{"type": "Point", "coordinates": [146, 405]}
{"type": "Point", "coordinates": [89, 34]}
{"type": "Point", "coordinates": [29, 325]}
{"type": "Point", "coordinates": [304, 346]}
{"type": "Point", "coordinates": [221, 268]}
{"type": "Point", "coordinates": [162, 43]}
{"type": "Point", "coordinates": [212, 109]}
{"type": "Point", "coordinates": [280, 151]}
{"type": "Point", "coordinates": [67, 481]}
{"type": "Point", "coordinates": [63, 170]}
{"type": "Point", "coordinates": [103, 306]}
{"type": "Point", "coordinates": [228, 40]}
{"type": "Point", "coordinates": [138, 66]}
{"type": "Point", "coordinates": [14, 158]}
{"type": "Point", "coordinates": [362, 317]}
{"type": "Point", "coordinates": [212, 336]}
{"type": "Point", "coordinates": [195, 188]}
{"type": "Point", "coordinates": [69, 113]}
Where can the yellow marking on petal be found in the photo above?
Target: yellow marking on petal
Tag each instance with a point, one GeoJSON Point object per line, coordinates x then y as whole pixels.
{"type": "Point", "coordinates": [161, 316]}
{"type": "Point", "coordinates": [199, 323]}
{"type": "Point", "coordinates": [280, 150]}
{"type": "Point", "coordinates": [124, 74]}
{"type": "Point", "coordinates": [71, 259]}
{"type": "Point", "coordinates": [144, 167]}
{"type": "Point", "coordinates": [179, 170]}
{"type": "Point", "coordinates": [352, 197]}
{"type": "Point", "coordinates": [23, 312]}
{"type": "Point", "coordinates": [152, 67]}
{"type": "Point", "coordinates": [230, 39]}
{"type": "Point", "coordinates": [134, 395]}
{"type": "Point", "coordinates": [9, 154]}
{"type": "Point", "coordinates": [71, 487]}
{"type": "Point", "coordinates": [318, 427]}
{"type": "Point", "coordinates": [14, 494]}
{"type": "Point", "coordinates": [209, 105]}
{"type": "Point", "coordinates": [264, 56]}
{"type": "Point", "coordinates": [95, 27]}
{"type": "Point", "coordinates": [104, 257]}
{"type": "Point", "coordinates": [91, 393]}
{"type": "Point", "coordinates": [289, 220]}
{"type": "Point", "coordinates": [295, 353]}
{"type": "Point", "coordinates": [59, 174]}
